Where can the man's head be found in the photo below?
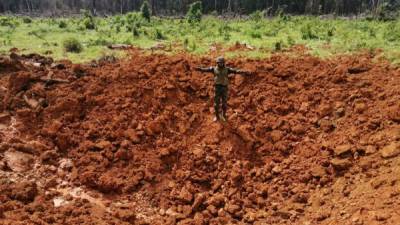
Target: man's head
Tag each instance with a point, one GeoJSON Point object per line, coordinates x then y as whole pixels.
{"type": "Point", "coordinates": [220, 62]}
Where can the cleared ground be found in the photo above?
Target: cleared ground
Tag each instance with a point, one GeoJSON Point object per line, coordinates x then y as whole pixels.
{"type": "Point", "coordinates": [308, 141]}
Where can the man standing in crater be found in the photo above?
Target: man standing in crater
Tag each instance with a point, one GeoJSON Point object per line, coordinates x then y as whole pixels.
{"type": "Point", "coordinates": [221, 83]}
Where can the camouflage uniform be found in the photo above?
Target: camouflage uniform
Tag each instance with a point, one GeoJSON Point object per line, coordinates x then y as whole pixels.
{"type": "Point", "coordinates": [221, 84]}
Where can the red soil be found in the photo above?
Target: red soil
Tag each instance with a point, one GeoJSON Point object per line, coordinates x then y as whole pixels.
{"type": "Point", "coordinates": [308, 141]}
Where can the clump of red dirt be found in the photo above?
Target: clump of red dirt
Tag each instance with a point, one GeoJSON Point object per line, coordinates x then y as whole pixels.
{"type": "Point", "coordinates": [308, 141]}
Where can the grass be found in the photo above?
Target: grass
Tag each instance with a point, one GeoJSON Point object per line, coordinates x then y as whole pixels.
{"type": "Point", "coordinates": [324, 38]}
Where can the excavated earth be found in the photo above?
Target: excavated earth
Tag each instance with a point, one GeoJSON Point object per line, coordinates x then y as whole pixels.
{"type": "Point", "coordinates": [308, 141]}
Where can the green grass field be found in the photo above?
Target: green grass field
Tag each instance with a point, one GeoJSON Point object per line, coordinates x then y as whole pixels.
{"type": "Point", "coordinates": [324, 37]}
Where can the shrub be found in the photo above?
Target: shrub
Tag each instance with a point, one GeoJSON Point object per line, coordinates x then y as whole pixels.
{"type": "Point", "coordinates": [185, 43]}
{"type": "Point", "coordinates": [135, 32]}
{"type": "Point", "coordinates": [257, 16]}
{"type": "Point", "coordinates": [89, 23]}
{"type": "Point", "coordinates": [27, 20]}
{"type": "Point", "coordinates": [145, 11]}
{"type": "Point", "coordinates": [62, 24]}
{"type": "Point", "coordinates": [72, 45]}
{"type": "Point", "coordinates": [194, 14]}
{"type": "Point", "coordinates": [331, 32]}
{"type": "Point", "coordinates": [307, 32]}
{"type": "Point", "coordinates": [158, 35]}
{"type": "Point", "coordinates": [291, 41]}
{"type": "Point", "coordinates": [278, 46]}
{"type": "Point", "coordinates": [255, 34]}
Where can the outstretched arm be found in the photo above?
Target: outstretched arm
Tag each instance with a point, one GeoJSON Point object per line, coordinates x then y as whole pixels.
{"type": "Point", "coordinates": [204, 69]}
{"type": "Point", "coordinates": [237, 71]}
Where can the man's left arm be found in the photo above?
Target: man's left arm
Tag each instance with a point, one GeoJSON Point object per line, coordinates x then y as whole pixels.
{"type": "Point", "coordinates": [238, 71]}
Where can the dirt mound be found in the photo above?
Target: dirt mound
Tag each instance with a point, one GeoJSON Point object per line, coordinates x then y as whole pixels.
{"type": "Point", "coordinates": [132, 142]}
{"type": "Point", "coordinates": [8, 65]}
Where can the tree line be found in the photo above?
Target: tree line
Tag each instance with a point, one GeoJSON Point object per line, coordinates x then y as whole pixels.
{"type": "Point", "coordinates": [218, 7]}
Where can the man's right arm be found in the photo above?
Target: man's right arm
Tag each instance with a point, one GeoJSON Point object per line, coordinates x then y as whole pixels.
{"type": "Point", "coordinates": [204, 69]}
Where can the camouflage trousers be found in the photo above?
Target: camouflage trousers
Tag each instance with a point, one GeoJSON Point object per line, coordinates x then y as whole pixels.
{"type": "Point", "coordinates": [220, 99]}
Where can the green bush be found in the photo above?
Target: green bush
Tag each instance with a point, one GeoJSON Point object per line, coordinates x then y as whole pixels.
{"type": "Point", "coordinates": [278, 46]}
{"type": "Point", "coordinates": [72, 45]}
{"type": "Point", "coordinates": [392, 32]}
{"type": "Point", "coordinates": [257, 16]}
{"type": "Point", "coordinates": [158, 35]}
{"type": "Point", "coordinates": [255, 34]}
{"type": "Point", "coordinates": [307, 33]}
{"type": "Point", "coordinates": [291, 41]}
{"type": "Point", "coordinates": [194, 14]}
{"type": "Point", "coordinates": [62, 24]}
{"type": "Point", "coordinates": [8, 22]}
{"type": "Point", "coordinates": [136, 32]}
{"type": "Point", "coordinates": [27, 20]}
{"type": "Point", "coordinates": [145, 11]}
{"type": "Point", "coordinates": [89, 23]}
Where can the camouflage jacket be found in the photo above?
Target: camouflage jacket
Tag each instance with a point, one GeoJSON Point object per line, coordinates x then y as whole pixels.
{"type": "Point", "coordinates": [220, 74]}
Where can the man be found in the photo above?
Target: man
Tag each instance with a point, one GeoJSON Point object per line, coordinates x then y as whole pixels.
{"type": "Point", "coordinates": [221, 81]}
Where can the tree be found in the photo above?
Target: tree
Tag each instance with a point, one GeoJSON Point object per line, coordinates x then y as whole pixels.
{"type": "Point", "coordinates": [145, 10]}
{"type": "Point", "coordinates": [195, 12]}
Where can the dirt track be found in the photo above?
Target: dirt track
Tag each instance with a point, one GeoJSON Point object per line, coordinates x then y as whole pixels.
{"type": "Point", "coordinates": [308, 141]}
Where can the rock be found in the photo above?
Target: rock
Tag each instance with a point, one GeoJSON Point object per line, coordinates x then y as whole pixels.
{"type": "Point", "coordinates": [153, 128]}
{"type": "Point", "coordinates": [26, 148]}
{"type": "Point", "coordinates": [18, 161]}
{"type": "Point", "coordinates": [340, 112]}
{"type": "Point", "coordinates": [276, 135]}
{"type": "Point", "coordinates": [232, 208]}
{"type": "Point", "coordinates": [244, 133]}
{"type": "Point", "coordinates": [18, 82]}
{"type": "Point", "coordinates": [370, 149]}
{"type": "Point", "coordinates": [185, 195]}
{"type": "Point", "coordinates": [5, 118]}
{"type": "Point", "coordinates": [341, 164]}
{"type": "Point", "coordinates": [394, 113]}
{"type": "Point", "coordinates": [382, 216]}
{"type": "Point", "coordinates": [212, 209]}
{"type": "Point", "coordinates": [277, 169]}
{"type": "Point", "coordinates": [299, 129]}
{"type": "Point", "coordinates": [326, 125]}
{"type": "Point", "coordinates": [391, 150]}
{"type": "Point", "coordinates": [164, 152]}
{"type": "Point", "coordinates": [122, 154]}
{"type": "Point", "coordinates": [366, 164]}
{"type": "Point", "coordinates": [322, 216]}
{"type": "Point", "coordinates": [283, 214]}
{"type": "Point", "coordinates": [377, 183]}
{"type": "Point", "coordinates": [301, 198]}
{"type": "Point", "coordinates": [59, 201]}
{"type": "Point", "coordinates": [200, 198]}
{"type": "Point", "coordinates": [216, 200]}
{"type": "Point", "coordinates": [103, 144]}
{"type": "Point", "coordinates": [358, 69]}
{"type": "Point", "coordinates": [132, 135]}
{"type": "Point", "coordinates": [318, 171]}
{"type": "Point", "coordinates": [250, 217]}
{"type": "Point", "coordinates": [342, 150]}
{"type": "Point", "coordinates": [49, 157]}
{"type": "Point", "coordinates": [304, 107]}
{"type": "Point", "coordinates": [24, 191]}
{"type": "Point", "coordinates": [360, 107]}
{"type": "Point", "coordinates": [59, 66]}
{"type": "Point", "coordinates": [325, 110]}
{"type": "Point", "coordinates": [66, 164]}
